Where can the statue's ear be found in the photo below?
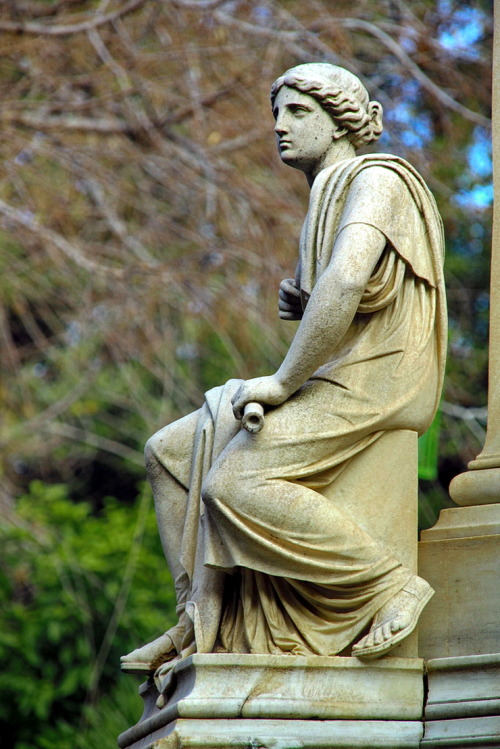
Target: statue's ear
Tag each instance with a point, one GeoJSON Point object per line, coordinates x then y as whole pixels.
{"type": "Point", "coordinates": [376, 111]}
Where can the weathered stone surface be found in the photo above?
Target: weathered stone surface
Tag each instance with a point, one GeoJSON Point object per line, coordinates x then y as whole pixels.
{"type": "Point", "coordinates": [462, 687]}
{"type": "Point", "coordinates": [464, 522]}
{"type": "Point", "coordinates": [478, 486]}
{"type": "Point", "coordinates": [462, 733]}
{"type": "Point", "coordinates": [460, 558]}
{"type": "Point", "coordinates": [463, 702]}
{"type": "Point", "coordinates": [260, 688]}
{"type": "Point", "coordinates": [283, 734]}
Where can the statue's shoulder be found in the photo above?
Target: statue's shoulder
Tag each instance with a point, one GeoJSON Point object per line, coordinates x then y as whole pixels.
{"type": "Point", "coordinates": [374, 172]}
{"type": "Point", "coordinates": [379, 177]}
{"type": "Point", "coordinates": [382, 168]}
{"type": "Point", "coordinates": [382, 183]}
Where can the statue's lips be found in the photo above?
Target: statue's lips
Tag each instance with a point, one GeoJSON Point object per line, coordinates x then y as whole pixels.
{"type": "Point", "coordinates": [284, 144]}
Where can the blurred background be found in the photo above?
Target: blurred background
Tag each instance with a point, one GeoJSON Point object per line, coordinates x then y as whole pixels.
{"type": "Point", "coordinates": [145, 223]}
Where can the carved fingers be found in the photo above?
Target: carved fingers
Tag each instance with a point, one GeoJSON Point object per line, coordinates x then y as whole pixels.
{"type": "Point", "coordinates": [289, 303]}
{"type": "Point", "coordinates": [265, 390]}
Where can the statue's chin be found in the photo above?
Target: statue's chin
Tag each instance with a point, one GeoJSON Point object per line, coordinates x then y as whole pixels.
{"type": "Point", "coordinates": [289, 159]}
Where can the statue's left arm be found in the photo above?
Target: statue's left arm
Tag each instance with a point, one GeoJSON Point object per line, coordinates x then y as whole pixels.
{"type": "Point", "coordinates": [329, 313]}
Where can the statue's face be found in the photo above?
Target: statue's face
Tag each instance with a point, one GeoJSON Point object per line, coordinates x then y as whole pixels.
{"type": "Point", "coordinates": [305, 132]}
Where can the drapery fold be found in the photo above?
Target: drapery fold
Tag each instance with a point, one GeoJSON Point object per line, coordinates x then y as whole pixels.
{"type": "Point", "coordinates": [263, 583]}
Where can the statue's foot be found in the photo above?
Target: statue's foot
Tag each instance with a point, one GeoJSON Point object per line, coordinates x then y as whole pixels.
{"type": "Point", "coordinates": [395, 620]}
{"type": "Point", "coordinates": [149, 657]}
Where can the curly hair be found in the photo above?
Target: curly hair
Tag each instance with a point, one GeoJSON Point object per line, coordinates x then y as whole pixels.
{"type": "Point", "coordinates": [341, 94]}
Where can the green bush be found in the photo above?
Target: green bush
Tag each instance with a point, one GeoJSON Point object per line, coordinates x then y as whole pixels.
{"type": "Point", "coordinates": [77, 590]}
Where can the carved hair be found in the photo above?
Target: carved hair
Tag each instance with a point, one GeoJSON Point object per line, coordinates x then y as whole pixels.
{"type": "Point", "coordinates": [341, 94]}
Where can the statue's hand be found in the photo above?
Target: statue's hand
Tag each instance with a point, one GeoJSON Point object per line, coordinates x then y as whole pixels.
{"type": "Point", "coordinates": [265, 390]}
{"type": "Point", "coordinates": [289, 303]}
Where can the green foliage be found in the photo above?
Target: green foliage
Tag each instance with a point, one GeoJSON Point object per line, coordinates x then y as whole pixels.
{"type": "Point", "coordinates": [432, 498]}
{"type": "Point", "coordinates": [99, 725]}
{"type": "Point", "coordinates": [77, 590]}
{"type": "Point", "coordinates": [428, 451]}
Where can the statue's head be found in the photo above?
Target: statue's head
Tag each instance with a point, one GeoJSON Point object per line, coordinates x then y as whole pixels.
{"type": "Point", "coordinates": [341, 94]}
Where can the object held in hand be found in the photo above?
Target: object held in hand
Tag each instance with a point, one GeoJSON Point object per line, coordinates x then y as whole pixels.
{"type": "Point", "coordinates": [253, 417]}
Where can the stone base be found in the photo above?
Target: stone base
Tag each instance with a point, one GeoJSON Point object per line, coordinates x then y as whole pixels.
{"type": "Point", "coordinates": [462, 733]}
{"type": "Point", "coordinates": [313, 701]}
{"type": "Point", "coordinates": [463, 704]}
{"type": "Point", "coordinates": [480, 486]}
{"type": "Point", "coordinates": [291, 734]}
{"type": "Point", "coordinates": [460, 558]}
{"type": "Point", "coordinates": [466, 687]}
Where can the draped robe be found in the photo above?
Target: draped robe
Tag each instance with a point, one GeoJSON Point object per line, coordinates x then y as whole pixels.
{"type": "Point", "coordinates": [253, 588]}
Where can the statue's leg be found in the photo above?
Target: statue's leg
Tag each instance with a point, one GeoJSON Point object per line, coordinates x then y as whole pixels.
{"type": "Point", "coordinates": [277, 525]}
{"type": "Point", "coordinates": [168, 456]}
{"type": "Point", "coordinates": [263, 516]}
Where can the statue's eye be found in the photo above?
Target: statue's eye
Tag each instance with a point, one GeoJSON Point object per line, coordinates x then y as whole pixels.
{"type": "Point", "coordinates": [298, 109]}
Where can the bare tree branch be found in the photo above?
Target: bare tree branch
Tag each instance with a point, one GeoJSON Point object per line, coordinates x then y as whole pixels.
{"type": "Point", "coordinates": [21, 27]}
{"type": "Point", "coordinates": [142, 210]}
{"type": "Point", "coordinates": [55, 409]}
{"type": "Point", "coordinates": [462, 412]}
{"type": "Point", "coordinates": [445, 99]}
{"type": "Point", "coordinates": [470, 416]}
{"type": "Point", "coordinates": [198, 4]}
{"type": "Point", "coordinates": [40, 121]}
{"type": "Point", "coordinates": [37, 10]}
{"type": "Point", "coordinates": [94, 440]}
{"type": "Point", "coordinates": [70, 249]}
{"type": "Point", "coordinates": [116, 225]}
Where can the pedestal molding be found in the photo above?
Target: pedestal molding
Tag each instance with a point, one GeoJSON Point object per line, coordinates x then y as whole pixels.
{"type": "Point", "coordinates": [462, 733]}
{"type": "Point", "coordinates": [480, 485]}
{"type": "Point", "coordinates": [289, 734]}
{"type": "Point", "coordinates": [291, 688]}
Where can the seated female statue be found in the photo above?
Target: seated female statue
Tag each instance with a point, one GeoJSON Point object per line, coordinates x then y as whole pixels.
{"type": "Point", "coordinates": [262, 561]}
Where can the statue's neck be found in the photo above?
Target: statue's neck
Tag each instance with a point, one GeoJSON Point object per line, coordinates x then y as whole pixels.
{"type": "Point", "coordinates": [340, 150]}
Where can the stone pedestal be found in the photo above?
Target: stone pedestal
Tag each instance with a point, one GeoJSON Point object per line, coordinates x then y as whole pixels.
{"type": "Point", "coordinates": [225, 700]}
{"type": "Point", "coordinates": [289, 702]}
{"type": "Point", "coordinates": [459, 630]}
{"type": "Point", "coordinates": [465, 687]}
{"type": "Point", "coordinates": [463, 703]}
{"type": "Point", "coordinates": [291, 734]}
{"type": "Point", "coordinates": [460, 557]}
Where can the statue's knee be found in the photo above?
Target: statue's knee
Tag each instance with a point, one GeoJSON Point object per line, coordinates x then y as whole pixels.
{"type": "Point", "coordinates": [168, 440]}
{"type": "Point", "coordinates": [151, 451]}
{"type": "Point", "coordinates": [162, 450]}
{"type": "Point", "coordinates": [173, 444]}
{"type": "Point", "coordinates": [218, 486]}
{"type": "Point", "coordinates": [210, 488]}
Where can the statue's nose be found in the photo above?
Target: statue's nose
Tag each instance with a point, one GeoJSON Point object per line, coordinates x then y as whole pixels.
{"type": "Point", "coordinates": [280, 128]}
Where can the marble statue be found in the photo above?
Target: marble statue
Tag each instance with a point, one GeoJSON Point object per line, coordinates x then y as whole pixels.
{"type": "Point", "coordinates": [263, 562]}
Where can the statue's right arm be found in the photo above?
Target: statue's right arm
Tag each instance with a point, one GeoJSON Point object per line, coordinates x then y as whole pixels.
{"type": "Point", "coordinates": [330, 309]}
{"type": "Point", "coordinates": [332, 304]}
{"type": "Point", "coordinates": [329, 312]}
